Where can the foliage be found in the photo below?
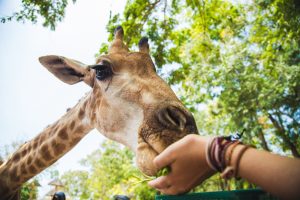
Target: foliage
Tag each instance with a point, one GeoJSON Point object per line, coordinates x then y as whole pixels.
{"type": "Point", "coordinates": [140, 18]}
{"type": "Point", "coordinates": [32, 10]}
{"type": "Point", "coordinates": [235, 64]}
{"type": "Point", "coordinates": [30, 190]}
{"type": "Point", "coordinates": [111, 172]}
{"type": "Point", "coordinates": [252, 83]}
{"type": "Point", "coordinates": [75, 183]}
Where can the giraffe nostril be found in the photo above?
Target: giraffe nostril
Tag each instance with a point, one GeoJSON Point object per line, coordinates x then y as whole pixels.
{"type": "Point", "coordinates": [172, 117]}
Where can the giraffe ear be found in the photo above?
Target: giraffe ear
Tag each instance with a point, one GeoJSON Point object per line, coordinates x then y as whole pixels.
{"type": "Point", "coordinates": [67, 70]}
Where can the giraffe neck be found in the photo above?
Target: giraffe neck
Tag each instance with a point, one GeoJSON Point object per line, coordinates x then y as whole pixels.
{"type": "Point", "coordinates": [46, 148]}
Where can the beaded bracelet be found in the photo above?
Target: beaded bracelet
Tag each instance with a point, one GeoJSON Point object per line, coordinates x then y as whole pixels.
{"type": "Point", "coordinates": [218, 159]}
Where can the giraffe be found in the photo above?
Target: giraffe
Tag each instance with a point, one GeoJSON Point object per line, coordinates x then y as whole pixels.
{"type": "Point", "coordinates": [128, 103]}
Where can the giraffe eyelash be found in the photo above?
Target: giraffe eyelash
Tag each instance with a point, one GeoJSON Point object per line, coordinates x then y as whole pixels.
{"type": "Point", "coordinates": [103, 71]}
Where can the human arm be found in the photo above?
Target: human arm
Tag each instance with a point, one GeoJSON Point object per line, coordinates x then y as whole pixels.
{"type": "Point", "coordinates": [276, 174]}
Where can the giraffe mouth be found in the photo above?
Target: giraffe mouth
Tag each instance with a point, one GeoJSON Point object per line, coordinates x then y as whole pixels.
{"type": "Point", "coordinates": [147, 150]}
{"type": "Point", "coordinates": [154, 139]}
{"type": "Point", "coordinates": [150, 147]}
{"type": "Point", "coordinates": [153, 149]}
{"type": "Point", "coordinates": [153, 144]}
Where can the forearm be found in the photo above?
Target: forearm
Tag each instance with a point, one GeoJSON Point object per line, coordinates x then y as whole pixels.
{"type": "Point", "coordinates": [276, 174]}
{"type": "Point", "coordinates": [193, 158]}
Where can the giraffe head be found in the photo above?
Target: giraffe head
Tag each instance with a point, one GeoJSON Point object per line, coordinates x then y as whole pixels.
{"type": "Point", "coordinates": [129, 102]}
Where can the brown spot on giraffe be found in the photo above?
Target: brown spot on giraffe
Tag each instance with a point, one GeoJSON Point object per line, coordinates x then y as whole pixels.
{"type": "Point", "coordinates": [16, 157]}
{"type": "Point", "coordinates": [29, 147]}
{"type": "Point", "coordinates": [44, 148]}
{"type": "Point", "coordinates": [24, 152]}
{"type": "Point", "coordinates": [46, 155]}
{"type": "Point", "coordinates": [63, 134]}
{"type": "Point", "coordinates": [81, 113]}
{"type": "Point", "coordinates": [71, 127]}
{"type": "Point", "coordinates": [58, 147]}
{"type": "Point", "coordinates": [39, 163]}
{"type": "Point", "coordinates": [23, 169]}
{"type": "Point", "coordinates": [35, 144]}
{"type": "Point", "coordinates": [78, 129]}
{"type": "Point", "coordinates": [29, 160]}
{"type": "Point", "coordinates": [32, 169]}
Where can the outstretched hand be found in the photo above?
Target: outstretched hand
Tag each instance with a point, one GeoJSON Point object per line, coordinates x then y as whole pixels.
{"type": "Point", "coordinates": [187, 161]}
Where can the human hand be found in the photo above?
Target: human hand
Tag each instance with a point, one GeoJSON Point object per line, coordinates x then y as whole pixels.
{"type": "Point", "coordinates": [187, 161]}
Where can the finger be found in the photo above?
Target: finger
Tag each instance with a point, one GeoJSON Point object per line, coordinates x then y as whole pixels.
{"type": "Point", "coordinates": [159, 183]}
{"type": "Point", "coordinates": [166, 157]}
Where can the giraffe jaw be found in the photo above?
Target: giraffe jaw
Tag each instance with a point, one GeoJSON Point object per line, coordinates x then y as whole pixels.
{"type": "Point", "coordinates": [148, 149]}
{"type": "Point", "coordinates": [153, 141]}
{"type": "Point", "coordinates": [144, 159]}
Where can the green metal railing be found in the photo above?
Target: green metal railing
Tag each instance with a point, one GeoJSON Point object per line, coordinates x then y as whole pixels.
{"type": "Point", "coordinates": [251, 194]}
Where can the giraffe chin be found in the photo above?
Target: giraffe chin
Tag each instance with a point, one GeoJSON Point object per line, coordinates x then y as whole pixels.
{"type": "Point", "coordinates": [152, 146]}
{"type": "Point", "coordinates": [144, 159]}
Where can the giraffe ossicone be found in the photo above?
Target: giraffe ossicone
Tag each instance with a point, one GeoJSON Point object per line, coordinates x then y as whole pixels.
{"type": "Point", "coordinates": [128, 103]}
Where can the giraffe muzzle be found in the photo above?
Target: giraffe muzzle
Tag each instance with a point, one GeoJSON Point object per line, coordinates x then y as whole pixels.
{"type": "Point", "coordinates": [177, 119]}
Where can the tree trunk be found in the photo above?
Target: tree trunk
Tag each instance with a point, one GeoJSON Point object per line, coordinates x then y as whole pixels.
{"type": "Point", "coordinates": [262, 138]}
{"type": "Point", "coordinates": [286, 140]}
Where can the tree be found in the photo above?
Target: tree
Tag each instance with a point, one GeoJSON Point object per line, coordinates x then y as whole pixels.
{"type": "Point", "coordinates": [254, 83]}
{"type": "Point", "coordinates": [50, 11]}
{"type": "Point", "coordinates": [241, 61]}
{"type": "Point", "coordinates": [140, 18]}
{"type": "Point", "coordinates": [30, 190]}
{"type": "Point", "coordinates": [76, 184]}
{"type": "Point", "coordinates": [111, 171]}
{"type": "Point", "coordinates": [275, 29]}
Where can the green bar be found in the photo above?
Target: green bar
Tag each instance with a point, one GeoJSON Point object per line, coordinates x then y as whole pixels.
{"type": "Point", "coordinates": [224, 195]}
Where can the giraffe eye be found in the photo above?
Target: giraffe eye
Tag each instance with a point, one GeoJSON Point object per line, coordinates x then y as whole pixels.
{"type": "Point", "coordinates": [103, 71]}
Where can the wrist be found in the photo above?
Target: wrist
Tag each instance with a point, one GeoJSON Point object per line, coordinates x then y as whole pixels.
{"type": "Point", "coordinates": [223, 154]}
{"type": "Point", "coordinates": [202, 142]}
{"type": "Point", "coordinates": [200, 145]}
{"type": "Point", "coordinates": [236, 157]}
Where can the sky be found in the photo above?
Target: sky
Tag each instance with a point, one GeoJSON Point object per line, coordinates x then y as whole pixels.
{"type": "Point", "coordinates": [32, 98]}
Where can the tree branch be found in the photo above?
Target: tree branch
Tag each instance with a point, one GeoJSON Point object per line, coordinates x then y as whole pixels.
{"type": "Point", "coordinates": [263, 140]}
{"type": "Point", "coordinates": [286, 140]}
